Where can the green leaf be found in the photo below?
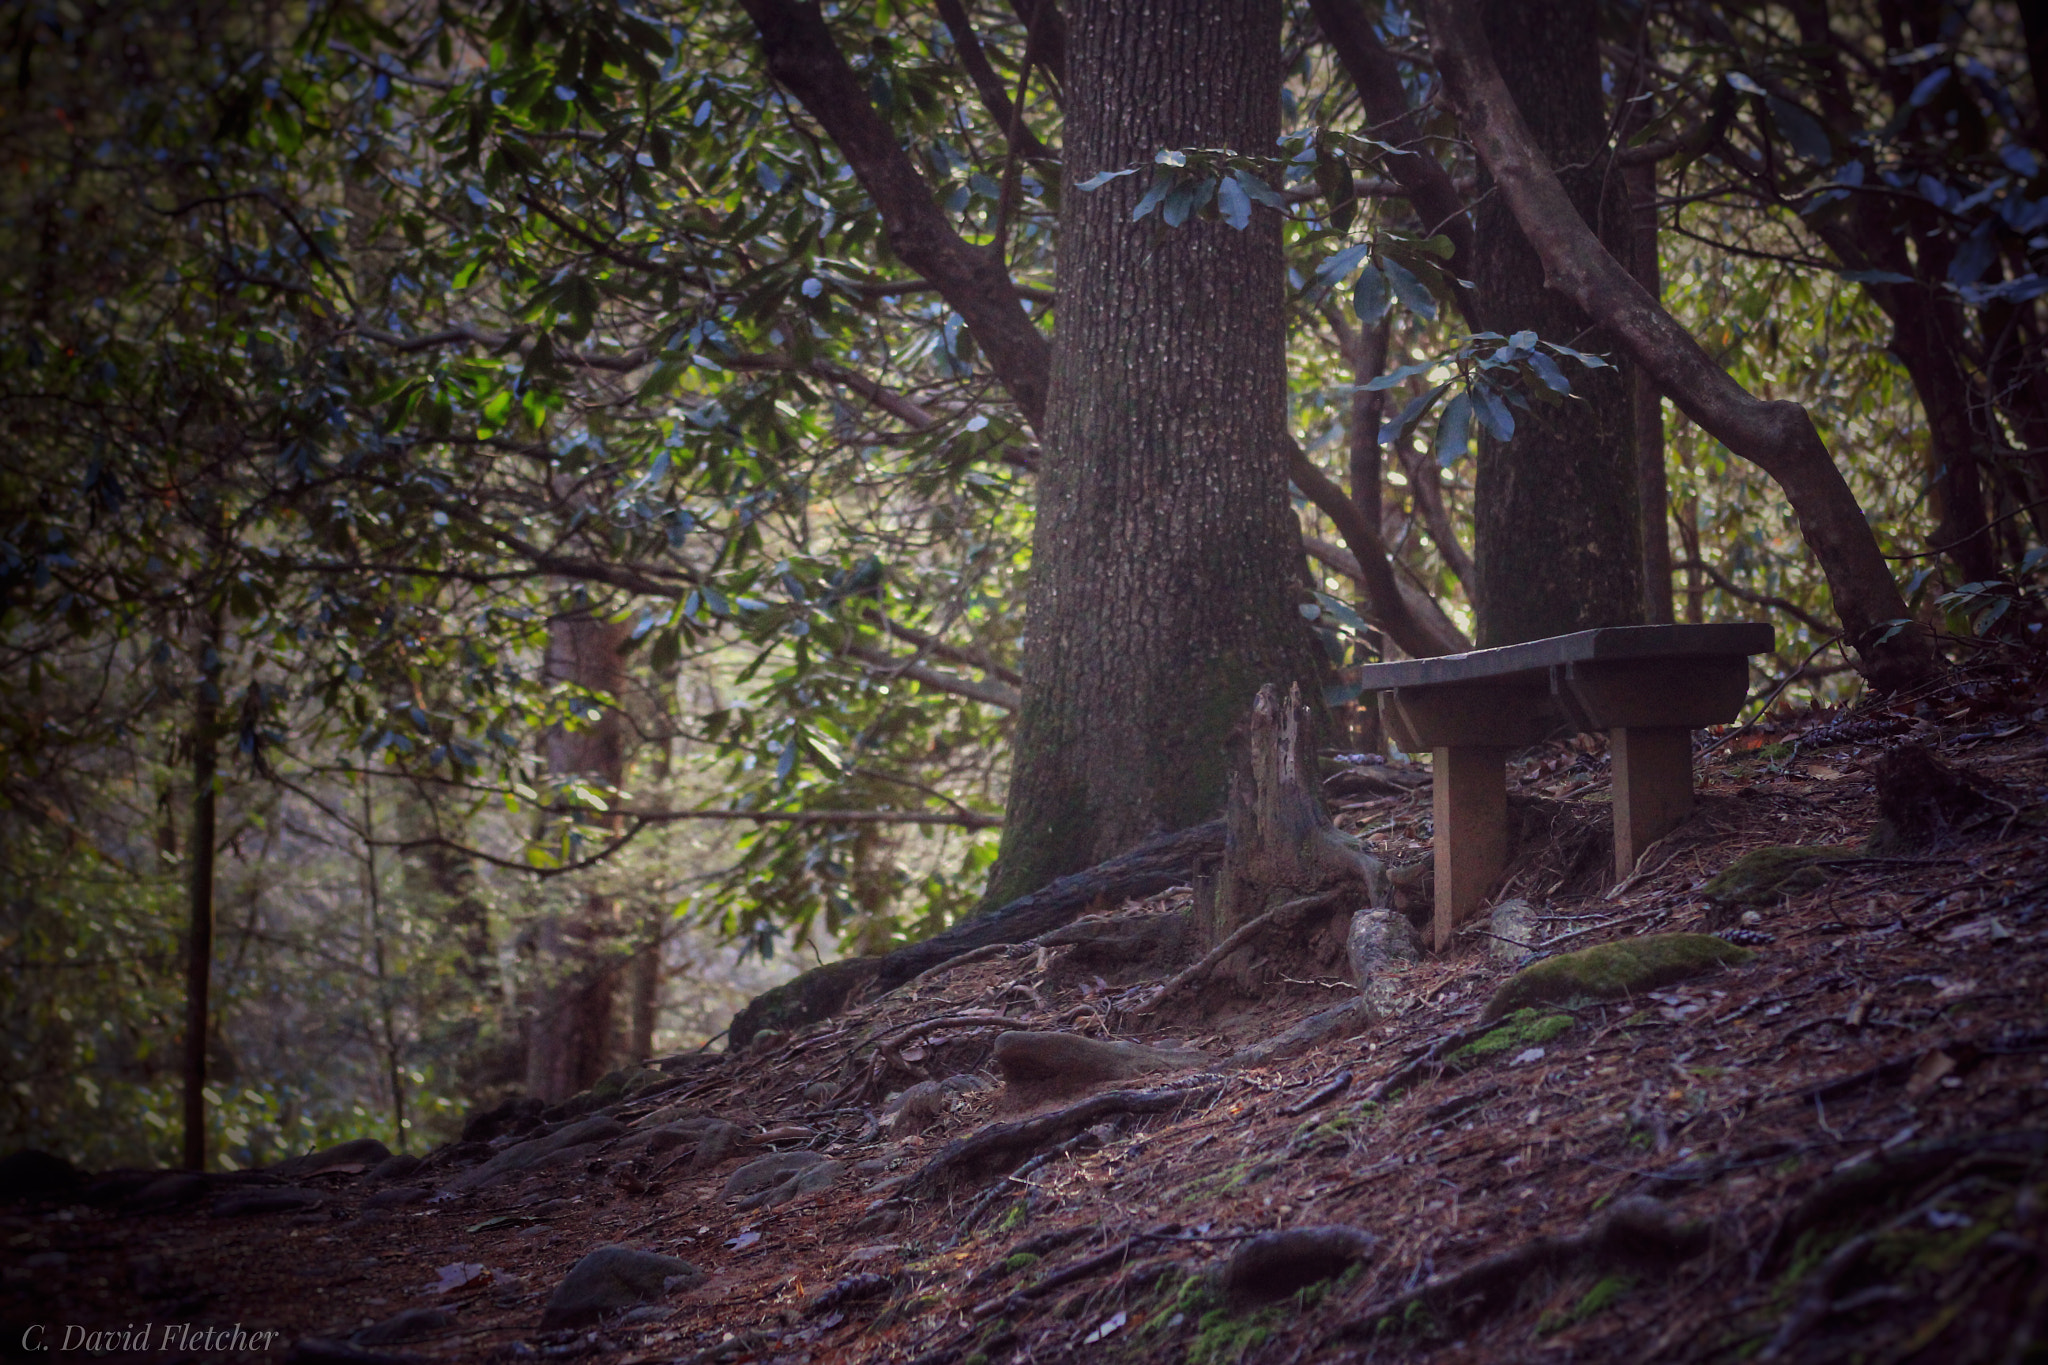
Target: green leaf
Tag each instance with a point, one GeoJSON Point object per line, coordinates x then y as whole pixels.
{"type": "Point", "coordinates": [1494, 413]}
{"type": "Point", "coordinates": [1233, 203]}
{"type": "Point", "coordinates": [1413, 294]}
{"type": "Point", "coordinates": [1454, 431]}
{"type": "Point", "coordinates": [1805, 132]}
{"type": "Point", "coordinates": [1409, 415]}
{"type": "Point", "coordinates": [1101, 178]}
{"type": "Point", "coordinates": [1372, 297]}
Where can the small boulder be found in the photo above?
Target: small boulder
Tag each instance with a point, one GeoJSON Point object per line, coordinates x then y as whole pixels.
{"type": "Point", "coordinates": [398, 1197]}
{"type": "Point", "coordinates": [1041, 1066]}
{"type": "Point", "coordinates": [1511, 927]}
{"type": "Point", "coordinates": [1765, 876]}
{"type": "Point", "coordinates": [769, 1171]}
{"type": "Point", "coordinates": [1614, 971]}
{"type": "Point", "coordinates": [915, 1109]}
{"type": "Point", "coordinates": [613, 1278]}
{"type": "Point", "coordinates": [811, 1180]}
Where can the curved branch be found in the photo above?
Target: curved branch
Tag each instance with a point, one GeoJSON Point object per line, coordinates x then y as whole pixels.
{"type": "Point", "coordinates": [1778, 437]}
{"type": "Point", "coordinates": [1385, 606]}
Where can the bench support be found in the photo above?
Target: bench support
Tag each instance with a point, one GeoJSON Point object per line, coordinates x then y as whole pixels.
{"type": "Point", "coordinates": [1470, 809]}
{"type": "Point", "coordinates": [1652, 788]}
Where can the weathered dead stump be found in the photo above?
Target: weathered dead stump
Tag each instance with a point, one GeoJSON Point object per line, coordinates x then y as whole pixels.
{"type": "Point", "coordinates": [1285, 865]}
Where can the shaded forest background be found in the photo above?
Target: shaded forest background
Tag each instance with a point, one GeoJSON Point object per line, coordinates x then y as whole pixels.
{"type": "Point", "coordinates": [493, 510]}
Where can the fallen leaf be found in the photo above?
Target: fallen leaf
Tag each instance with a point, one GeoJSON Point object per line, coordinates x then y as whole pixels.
{"type": "Point", "coordinates": [1821, 772]}
{"type": "Point", "coordinates": [1109, 1327]}
{"type": "Point", "coordinates": [459, 1275]}
{"type": "Point", "coordinates": [744, 1240]}
{"type": "Point", "coordinates": [1532, 1054]}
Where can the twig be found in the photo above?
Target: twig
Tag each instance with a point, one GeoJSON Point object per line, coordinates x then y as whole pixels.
{"type": "Point", "coordinates": [1244, 934]}
{"type": "Point", "coordinates": [1337, 1085]}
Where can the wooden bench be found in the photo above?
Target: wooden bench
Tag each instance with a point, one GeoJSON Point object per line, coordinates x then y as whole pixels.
{"type": "Point", "coordinates": [1648, 687]}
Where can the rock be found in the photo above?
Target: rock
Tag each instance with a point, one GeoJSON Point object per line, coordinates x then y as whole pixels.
{"type": "Point", "coordinates": [1766, 876]}
{"type": "Point", "coordinates": [915, 1109]}
{"type": "Point", "coordinates": [612, 1278]}
{"type": "Point", "coordinates": [399, 1196]}
{"type": "Point", "coordinates": [1273, 1265]}
{"type": "Point", "coordinates": [413, 1322]}
{"type": "Point", "coordinates": [33, 1174]}
{"type": "Point", "coordinates": [1045, 1065]}
{"type": "Point", "coordinates": [394, 1168]}
{"type": "Point", "coordinates": [533, 1152]}
{"type": "Point", "coordinates": [1512, 925]}
{"type": "Point", "coordinates": [363, 1152]}
{"type": "Point", "coordinates": [1381, 945]}
{"type": "Point", "coordinates": [249, 1203]}
{"type": "Point", "coordinates": [768, 1171]}
{"type": "Point", "coordinates": [1614, 971]}
{"type": "Point", "coordinates": [518, 1114]}
{"type": "Point", "coordinates": [1339, 1021]}
{"type": "Point", "coordinates": [810, 1180]}
{"type": "Point", "coordinates": [819, 1092]}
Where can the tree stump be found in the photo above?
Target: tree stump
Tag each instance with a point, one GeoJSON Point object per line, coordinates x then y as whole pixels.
{"type": "Point", "coordinates": [1280, 846]}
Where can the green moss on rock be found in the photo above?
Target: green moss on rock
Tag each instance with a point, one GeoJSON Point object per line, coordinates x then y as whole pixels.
{"type": "Point", "coordinates": [1765, 876]}
{"type": "Point", "coordinates": [1614, 971]}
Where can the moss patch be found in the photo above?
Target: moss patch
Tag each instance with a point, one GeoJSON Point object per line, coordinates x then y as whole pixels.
{"type": "Point", "coordinates": [1524, 1028]}
{"type": "Point", "coordinates": [1614, 971]}
{"type": "Point", "coordinates": [1598, 1299]}
{"type": "Point", "coordinates": [1765, 876]}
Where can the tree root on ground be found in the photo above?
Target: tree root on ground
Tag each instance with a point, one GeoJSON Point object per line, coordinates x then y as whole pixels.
{"type": "Point", "coordinates": [1635, 1231]}
{"type": "Point", "coordinates": [1001, 1147]}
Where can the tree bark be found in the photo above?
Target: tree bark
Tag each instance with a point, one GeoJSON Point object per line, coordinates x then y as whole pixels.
{"type": "Point", "coordinates": [1166, 562]}
{"type": "Point", "coordinates": [572, 1035]}
{"type": "Point", "coordinates": [199, 866]}
{"type": "Point", "coordinates": [1653, 492]}
{"type": "Point", "coordinates": [1557, 541]}
{"type": "Point", "coordinates": [1779, 437]}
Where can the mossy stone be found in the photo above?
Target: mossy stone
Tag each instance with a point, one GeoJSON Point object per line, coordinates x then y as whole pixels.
{"type": "Point", "coordinates": [1613, 971]}
{"type": "Point", "coordinates": [1765, 876]}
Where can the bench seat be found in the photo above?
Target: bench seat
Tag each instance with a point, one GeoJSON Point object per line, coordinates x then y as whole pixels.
{"type": "Point", "coordinates": [1647, 687]}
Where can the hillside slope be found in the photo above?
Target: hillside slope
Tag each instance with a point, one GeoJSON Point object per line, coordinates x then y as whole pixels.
{"type": "Point", "coordinates": [1833, 1150]}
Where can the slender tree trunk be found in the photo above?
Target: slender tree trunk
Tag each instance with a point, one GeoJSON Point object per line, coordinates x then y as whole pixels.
{"type": "Point", "coordinates": [1165, 558]}
{"type": "Point", "coordinates": [373, 907]}
{"type": "Point", "coordinates": [1653, 493]}
{"type": "Point", "coordinates": [1557, 536]}
{"type": "Point", "coordinates": [646, 985]}
{"type": "Point", "coordinates": [573, 1036]}
{"type": "Point", "coordinates": [199, 866]}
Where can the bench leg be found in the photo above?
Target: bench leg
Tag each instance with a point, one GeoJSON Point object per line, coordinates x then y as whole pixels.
{"type": "Point", "coordinates": [1470, 805]}
{"type": "Point", "coordinates": [1652, 788]}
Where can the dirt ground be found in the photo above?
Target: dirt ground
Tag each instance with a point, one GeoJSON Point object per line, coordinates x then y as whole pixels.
{"type": "Point", "coordinates": [1833, 1152]}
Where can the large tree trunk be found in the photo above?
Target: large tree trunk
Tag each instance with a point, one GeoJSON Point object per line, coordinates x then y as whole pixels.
{"type": "Point", "coordinates": [572, 1036]}
{"type": "Point", "coordinates": [1165, 559]}
{"type": "Point", "coordinates": [1557, 531]}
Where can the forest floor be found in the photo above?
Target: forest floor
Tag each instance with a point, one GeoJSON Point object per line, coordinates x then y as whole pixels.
{"type": "Point", "coordinates": [1834, 1151]}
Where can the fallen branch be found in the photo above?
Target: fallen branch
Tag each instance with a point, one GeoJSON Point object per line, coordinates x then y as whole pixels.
{"type": "Point", "coordinates": [1001, 1147]}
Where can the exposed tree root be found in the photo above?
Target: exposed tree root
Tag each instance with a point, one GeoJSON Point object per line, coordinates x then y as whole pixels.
{"type": "Point", "coordinates": [1635, 1231]}
{"type": "Point", "coordinates": [1001, 1147]}
{"type": "Point", "coordinates": [1278, 916]}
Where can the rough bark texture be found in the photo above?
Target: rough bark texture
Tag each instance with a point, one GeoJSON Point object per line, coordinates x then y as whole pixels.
{"type": "Point", "coordinates": [1779, 437]}
{"type": "Point", "coordinates": [1557, 539]}
{"type": "Point", "coordinates": [1280, 844]}
{"type": "Point", "coordinates": [1653, 490]}
{"type": "Point", "coordinates": [571, 1033]}
{"type": "Point", "coordinates": [1165, 559]}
